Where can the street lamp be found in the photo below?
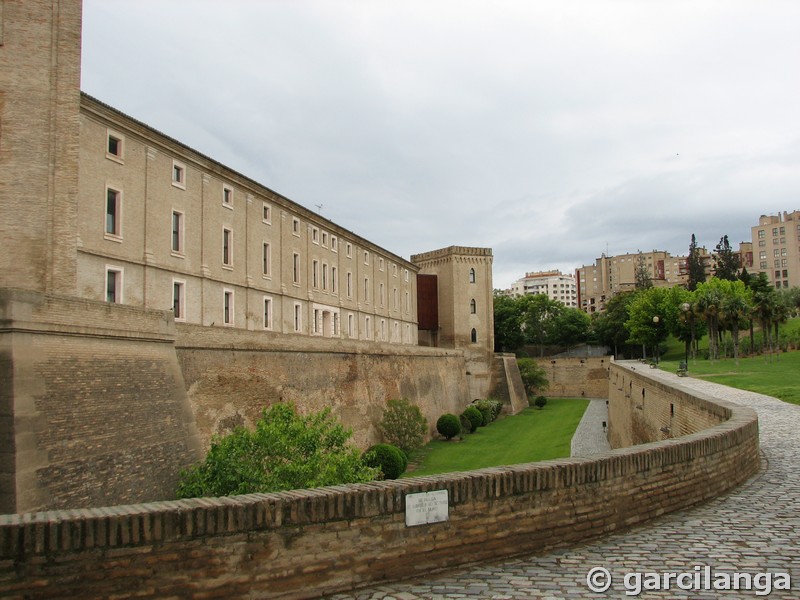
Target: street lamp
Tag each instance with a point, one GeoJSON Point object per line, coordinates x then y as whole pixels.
{"type": "Point", "coordinates": [686, 307]}
{"type": "Point", "coordinates": [655, 349]}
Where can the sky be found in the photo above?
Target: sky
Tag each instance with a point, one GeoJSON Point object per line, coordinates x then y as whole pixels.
{"type": "Point", "coordinates": [549, 131]}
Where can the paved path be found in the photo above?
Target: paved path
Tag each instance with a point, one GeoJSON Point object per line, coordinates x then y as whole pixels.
{"type": "Point", "coordinates": [755, 529]}
{"type": "Point", "coordinates": [591, 436]}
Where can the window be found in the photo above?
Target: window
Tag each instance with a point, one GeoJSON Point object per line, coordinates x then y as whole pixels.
{"type": "Point", "coordinates": [113, 212]}
{"type": "Point", "coordinates": [295, 268]}
{"type": "Point", "coordinates": [266, 259]}
{"type": "Point", "coordinates": [367, 328]}
{"type": "Point", "coordinates": [334, 280]}
{"type": "Point", "coordinates": [295, 226]}
{"type": "Point", "coordinates": [383, 330]}
{"type": "Point", "coordinates": [298, 318]}
{"type": "Point", "coordinates": [474, 336]}
{"type": "Point", "coordinates": [227, 247]}
{"type": "Point", "coordinates": [774, 231]}
{"type": "Point", "coordinates": [227, 307]}
{"type": "Point", "coordinates": [380, 289]}
{"type": "Point", "coordinates": [760, 234]}
{"type": "Point", "coordinates": [266, 213]}
{"type": "Point", "coordinates": [324, 239]}
{"type": "Point", "coordinates": [366, 258]}
{"type": "Point", "coordinates": [315, 235]}
{"type": "Point", "coordinates": [762, 254]}
{"type": "Point", "coordinates": [114, 146]}
{"type": "Point", "coordinates": [334, 243]}
{"type": "Point", "coordinates": [350, 324]}
{"type": "Point", "coordinates": [314, 273]}
{"type": "Point", "coordinates": [366, 289]}
{"type": "Point", "coordinates": [394, 299]}
{"type": "Point", "coordinates": [178, 300]}
{"type": "Point", "coordinates": [349, 284]}
{"type": "Point", "coordinates": [267, 312]}
{"type": "Point", "coordinates": [472, 275]}
{"type": "Point", "coordinates": [177, 232]}
{"type": "Point", "coordinates": [349, 250]}
{"type": "Point", "coordinates": [178, 175]}
{"type": "Point", "coordinates": [380, 264]}
{"type": "Point", "coordinates": [227, 196]}
{"type": "Point", "coordinates": [114, 285]}
{"type": "Point", "coordinates": [473, 306]}
{"type": "Point", "coordinates": [324, 276]}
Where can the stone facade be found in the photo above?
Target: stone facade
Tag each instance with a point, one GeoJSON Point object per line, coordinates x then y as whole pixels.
{"type": "Point", "coordinates": [776, 243]}
{"type": "Point", "coordinates": [305, 543]}
{"type": "Point", "coordinates": [577, 377]}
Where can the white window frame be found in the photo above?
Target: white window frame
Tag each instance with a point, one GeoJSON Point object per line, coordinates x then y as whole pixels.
{"type": "Point", "coordinates": [366, 258]}
{"type": "Point", "coordinates": [334, 244]}
{"type": "Point", "coordinates": [119, 156]}
{"type": "Point", "coordinates": [119, 286]}
{"type": "Point", "coordinates": [227, 196]}
{"type": "Point", "coordinates": [350, 325]}
{"type": "Point", "coordinates": [116, 235]}
{"type": "Point", "coordinates": [367, 328]}
{"type": "Point", "coordinates": [228, 301]}
{"type": "Point", "coordinates": [266, 213]}
{"type": "Point", "coordinates": [295, 226]}
{"type": "Point", "coordinates": [324, 240]}
{"type": "Point", "coordinates": [267, 315]}
{"type": "Point", "coordinates": [296, 268]}
{"type": "Point", "coordinates": [179, 251]}
{"type": "Point", "coordinates": [315, 273]}
{"type": "Point", "coordinates": [349, 250]}
{"type": "Point", "coordinates": [298, 317]}
{"type": "Point", "coordinates": [180, 284]}
{"type": "Point", "coordinates": [349, 285]}
{"type": "Point", "coordinates": [178, 174]}
{"type": "Point", "coordinates": [266, 260]}
{"type": "Point", "coordinates": [334, 280]}
{"type": "Point", "coordinates": [227, 247]}
{"type": "Point", "coordinates": [325, 276]}
{"type": "Point", "coordinates": [380, 264]}
{"type": "Point", "coordinates": [315, 235]}
{"type": "Point", "coordinates": [366, 290]}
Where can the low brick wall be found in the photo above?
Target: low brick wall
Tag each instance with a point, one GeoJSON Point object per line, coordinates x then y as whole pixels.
{"type": "Point", "coordinates": [302, 544]}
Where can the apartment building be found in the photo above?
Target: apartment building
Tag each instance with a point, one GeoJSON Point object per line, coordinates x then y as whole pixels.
{"type": "Point", "coordinates": [776, 240]}
{"type": "Point", "coordinates": [553, 284]}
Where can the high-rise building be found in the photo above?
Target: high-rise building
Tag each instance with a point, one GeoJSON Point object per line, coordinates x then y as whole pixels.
{"type": "Point", "coordinates": [776, 239]}
{"type": "Point", "coordinates": [553, 284]}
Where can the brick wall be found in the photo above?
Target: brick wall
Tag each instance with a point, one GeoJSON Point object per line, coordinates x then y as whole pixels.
{"type": "Point", "coordinates": [95, 411]}
{"type": "Point", "coordinates": [303, 543]}
{"type": "Point", "coordinates": [576, 377]}
{"type": "Point", "coordinates": [232, 375]}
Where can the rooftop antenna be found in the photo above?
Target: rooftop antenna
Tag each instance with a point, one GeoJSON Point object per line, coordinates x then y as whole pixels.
{"type": "Point", "coordinates": [319, 208]}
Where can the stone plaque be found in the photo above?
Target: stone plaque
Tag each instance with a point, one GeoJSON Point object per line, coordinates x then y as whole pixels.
{"type": "Point", "coordinates": [427, 507]}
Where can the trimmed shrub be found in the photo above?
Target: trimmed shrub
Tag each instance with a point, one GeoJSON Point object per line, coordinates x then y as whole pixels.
{"type": "Point", "coordinates": [448, 425]}
{"type": "Point", "coordinates": [466, 424]}
{"type": "Point", "coordinates": [389, 459]}
{"type": "Point", "coordinates": [403, 425]}
{"type": "Point", "coordinates": [540, 402]}
{"type": "Point", "coordinates": [490, 409]}
{"type": "Point", "coordinates": [474, 416]}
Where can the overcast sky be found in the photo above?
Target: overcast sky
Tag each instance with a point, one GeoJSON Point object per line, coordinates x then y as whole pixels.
{"type": "Point", "coordinates": [550, 131]}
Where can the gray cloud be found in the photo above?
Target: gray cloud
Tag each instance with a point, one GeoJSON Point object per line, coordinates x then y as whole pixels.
{"type": "Point", "coordinates": [545, 130]}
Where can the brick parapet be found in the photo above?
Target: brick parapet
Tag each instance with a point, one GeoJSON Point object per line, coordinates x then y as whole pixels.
{"type": "Point", "coordinates": [307, 542]}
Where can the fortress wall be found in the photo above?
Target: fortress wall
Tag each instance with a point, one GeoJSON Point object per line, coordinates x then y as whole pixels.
{"type": "Point", "coordinates": [576, 377]}
{"type": "Point", "coordinates": [232, 375]}
{"type": "Point", "coordinates": [642, 409]}
{"type": "Point", "coordinates": [94, 406]}
{"type": "Point", "coordinates": [304, 543]}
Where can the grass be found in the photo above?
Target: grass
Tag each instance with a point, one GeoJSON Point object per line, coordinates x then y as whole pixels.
{"type": "Point", "coordinates": [530, 436]}
{"type": "Point", "coordinates": [777, 376]}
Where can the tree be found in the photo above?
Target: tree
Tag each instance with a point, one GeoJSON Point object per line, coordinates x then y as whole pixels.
{"type": "Point", "coordinates": [534, 377]}
{"type": "Point", "coordinates": [644, 279]}
{"type": "Point", "coordinates": [508, 334]}
{"type": "Point", "coordinates": [538, 314]}
{"type": "Point", "coordinates": [609, 326]}
{"type": "Point", "coordinates": [694, 266]}
{"type": "Point", "coordinates": [765, 300]}
{"type": "Point", "coordinates": [286, 451]}
{"type": "Point", "coordinates": [709, 301]}
{"type": "Point", "coordinates": [735, 306]}
{"type": "Point", "coordinates": [726, 262]}
{"type": "Point", "coordinates": [403, 425]}
{"type": "Point", "coordinates": [570, 327]}
{"type": "Point", "coordinates": [648, 317]}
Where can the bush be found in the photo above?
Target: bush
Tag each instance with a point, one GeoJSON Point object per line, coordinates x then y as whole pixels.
{"type": "Point", "coordinates": [540, 402]}
{"type": "Point", "coordinates": [286, 451]}
{"type": "Point", "coordinates": [490, 409]}
{"type": "Point", "coordinates": [474, 416]}
{"type": "Point", "coordinates": [403, 425]}
{"type": "Point", "coordinates": [389, 459]}
{"type": "Point", "coordinates": [448, 425]}
{"type": "Point", "coordinates": [466, 424]}
{"type": "Point", "coordinates": [534, 377]}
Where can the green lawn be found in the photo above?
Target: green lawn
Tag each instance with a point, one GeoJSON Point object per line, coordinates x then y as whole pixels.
{"type": "Point", "coordinates": [777, 376]}
{"type": "Point", "coordinates": [530, 436]}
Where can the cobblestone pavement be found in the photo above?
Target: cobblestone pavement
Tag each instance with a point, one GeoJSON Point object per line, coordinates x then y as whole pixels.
{"type": "Point", "coordinates": [754, 529]}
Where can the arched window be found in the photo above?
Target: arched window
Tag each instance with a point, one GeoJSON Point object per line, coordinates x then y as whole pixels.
{"type": "Point", "coordinates": [472, 275]}
{"type": "Point", "coordinates": [473, 306]}
{"type": "Point", "coordinates": [474, 336]}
